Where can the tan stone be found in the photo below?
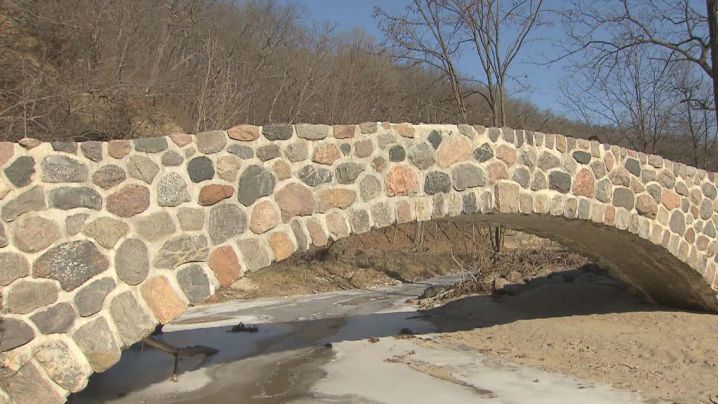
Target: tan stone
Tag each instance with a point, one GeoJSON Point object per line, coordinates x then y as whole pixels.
{"type": "Point", "coordinates": [129, 201]}
{"type": "Point", "coordinates": [670, 199]}
{"type": "Point", "coordinates": [609, 217]}
{"type": "Point", "coordinates": [29, 143]}
{"type": "Point", "coordinates": [561, 143]}
{"type": "Point", "coordinates": [282, 170]}
{"type": "Point", "coordinates": [228, 167]}
{"type": "Point", "coordinates": [224, 263]}
{"type": "Point", "coordinates": [265, 216]}
{"type": "Point", "coordinates": [405, 130]}
{"type": "Point", "coordinates": [507, 196]}
{"type": "Point", "coordinates": [331, 198]}
{"type": "Point", "coordinates": [35, 233]}
{"type": "Point", "coordinates": [316, 232]}
{"type": "Point", "coordinates": [401, 180]}
{"type": "Point", "coordinates": [497, 171]}
{"type": "Point", "coordinates": [584, 184]}
{"type": "Point", "coordinates": [378, 164]}
{"type": "Point", "coordinates": [454, 149]}
{"type": "Point", "coordinates": [214, 193]}
{"type": "Point", "coordinates": [344, 131]}
{"type": "Point", "coordinates": [646, 206]}
{"type": "Point", "coordinates": [106, 231]}
{"type": "Point", "coordinates": [7, 150]}
{"type": "Point", "coordinates": [326, 154]}
{"type": "Point", "coordinates": [363, 148]}
{"type": "Point", "coordinates": [295, 200]}
{"type": "Point", "coordinates": [507, 154]}
{"type": "Point", "coordinates": [243, 133]}
{"type": "Point", "coordinates": [368, 127]}
{"type": "Point", "coordinates": [181, 139]}
{"type": "Point", "coordinates": [119, 148]}
{"type": "Point", "coordinates": [337, 225]}
{"type": "Point", "coordinates": [281, 245]}
{"type": "Point", "coordinates": [162, 299]}
{"type": "Point", "coordinates": [609, 160]}
{"type": "Point", "coordinates": [403, 212]}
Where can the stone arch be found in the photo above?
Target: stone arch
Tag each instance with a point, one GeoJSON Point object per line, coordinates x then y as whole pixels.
{"type": "Point", "coordinates": [99, 242]}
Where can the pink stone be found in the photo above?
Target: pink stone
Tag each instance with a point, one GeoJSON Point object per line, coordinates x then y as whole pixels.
{"type": "Point", "coordinates": [497, 171]}
{"type": "Point", "coordinates": [326, 154]}
{"type": "Point", "coordinates": [281, 245]}
{"type": "Point", "coordinates": [344, 131]}
{"type": "Point", "coordinates": [129, 201]}
{"type": "Point", "coordinates": [265, 216]}
{"type": "Point", "coordinates": [506, 154]}
{"type": "Point", "coordinates": [181, 139]}
{"type": "Point", "coordinates": [162, 299]}
{"type": "Point", "coordinates": [454, 149]}
{"type": "Point", "coordinates": [295, 200]}
{"type": "Point", "coordinates": [584, 184]}
{"type": "Point", "coordinates": [214, 193]}
{"type": "Point", "coordinates": [244, 133]}
{"type": "Point", "coordinates": [119, 148]}
{"type": "Point", "coordinates": [224, 263]}
{"type": "Point", "coordinates": [670, 199]}
{"type": "Point", "coordinates": [7, 150]}
{"type": "Point", "coordinates": [316, 232]}
{"type": "Point", "coordinates": [405, 130]}
{"type": "Point", "coordinates": [401, 180]}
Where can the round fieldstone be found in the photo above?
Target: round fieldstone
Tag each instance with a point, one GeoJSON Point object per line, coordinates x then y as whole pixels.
{"type": "Point", "coordinates": [666, 178]}
{"type": "Point", "coordinates": [397, 153]}
{"type": "Point", "coordinates": [90, 298]}
{"type": "Point", "coordinates": [359, 220]}
{"type": "Point", "coordinates": [191, 219]}
{"type": "Point", "coordinates": [709, 190]}
{"type": "Point", "coordinates": [454, 149]}
{"type": "Point", "coordinates": [363, 148]}
{"type": "Point", "coordinates": [61, 168]}
{"type": "Point", "coordinates": [241, 151]}
{"type": "Point", "coordinates": [97, 342]}
{"type": "Point", "coordinates": [296, 152]}
{"type": "Point", "coordinates": [633, 166]}
{"type": "Point", "coordinates": [106, 231]}
{"type": "Point", "coordinates": [109, 176]}
{"type": "Point", "coordinates": [268, 152]}
{"type": "Point", "coordinates": [182, 250]}
{"type": "Point", "coordinates": [194, 283]}
{"type": "Point", "coordinates": [655, 191]}
{"type": "Point", "coordinates": [646, 206]}
{"type": "Point", "coordinates": [92, 150]}
{"type": "Point", "coordinates": [21, 171]}
{"type": "Point", "coordinates": [55, 319]}
{"type": "Point", "coordinates": [295, 200]}
{"type": "Point", "coordinates": [14, 333]}
{"type": "Point", "coordinates": [277, 132]}
{"type": "Point", "coordinates": [706, 209]}
{"type": "Point", "coordinates": [483, 153]}
{"type": "Point", "coordinates": [677, 222]}
{"type": "Point", "coordinates": [26, 296]}
{"type": "Point", "coordinates": [312, 132]}
{"type": "Point", "coordinates": [225, 222]}
{"type": "Point", "coordinates": [244, 133]}
{"type": "Point", "coordinates": [347, 173]}
{"type": "Point", "coordinates": [67, 146]}
{"type": "Point", "coordinates": [378, 164]}
{"type": "Point", "coordinates": [74, 223]}
{"type": "Point", "coordinates": [584, 183]}
{"type": "Point", "coordinates": [211, 142]}
{"type": "Point", "coordinates": [35, 233]}
{"type": "Point", "coordinates": [582, 157]}
{"type": "Point", "coordinates": [282, 170]}
{"type": "Point", "coordinates": [281, 245]}
{"type": "Point", "coordinates": [314, 175]}
{"type": "Point", "coordinates": [71, 264]}
{"type": "Point", "coordinates": [155, 226]}
{"type": "Point", "coordinates": [326, 154]}
{"type": "Point", "coordinates": [214, 193]}
{"type": "Point", "coordinates": [31, 200]}
{"type": "Point", "coordinates": [346, 148]}
{"type": "Point", "coordinates": [63, 365]}
{"type": "Point", "coordinates": [129, 201]}
{"type": "Point", "coordinates": [14, 266]}
{"type": "Point", "coordinates": [522, 176]}
{"type": "Point", "coordinates": [131, 320]}
{"type": "Point", "coordinates": [402, 180]}
{"type": "Point", "coordinates": [434, 139]}
{"type": "Point", "coordinates": [331, 198]}
{"type": "Point", "coordinates": [437, 182]}
{"type": "Point", "coordinates": [228, 167]}
{"type": "Point", "coordinates": [254, 183]}
{"type": "Point", "coordinates": [547, 161]}
{"type": "Point", "coordinates": [254, 253]}
{"type": "Point", "coordinates": [150, 144]}
{"type": "Point", "coordinates": [422, 156]}
{"type": "Point", "coordinates": [265, 216]}
{"type": "Point", "coordinates": [172, 190]}
{"type": "Point", "coordinates": [466, 176]}
{"type": "Point", "coordinates": [604, 190]}
{"type": "Point", "coordinates": [539, 181]}
{"type": "Point", "coordinates": [119, 148]}
{"type": "Point", "coordinates": [369, 188]}
{"type": "Point", "coordinates": [172, 159]}
{"type": "Point", "coordinates": [559, 181]}
{"type": "Point", "coordinates": [386, 139]}
{"type": "Point", "coordinates": [67, 198]}
{"type": "Point", "coordinates": [132, 262]}
{"type": "Point", "coordinates": [527, 158]}
{"type": "Point", "coordinates": [200, 169]}
{"type": "Point", "coordinates": [623, 198]}
{"type": "Point", "coordinates": [224, 263]}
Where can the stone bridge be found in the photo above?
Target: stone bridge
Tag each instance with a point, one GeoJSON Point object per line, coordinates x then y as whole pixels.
{"type": "Point", "coordinates": [100, 242]}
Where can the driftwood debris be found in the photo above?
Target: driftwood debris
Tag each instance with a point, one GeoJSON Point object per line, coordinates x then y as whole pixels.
{"type": "Point", "coordinates": [179, 352]}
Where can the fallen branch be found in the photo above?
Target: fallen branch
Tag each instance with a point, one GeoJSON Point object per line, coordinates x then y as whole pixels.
{"type": "Point", "coordinates": [178, 352]}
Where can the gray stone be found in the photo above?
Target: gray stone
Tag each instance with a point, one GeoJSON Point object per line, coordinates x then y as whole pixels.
{"type": "Point", "coordinates": [29, 386]}
{"type": "Point", "coordinates": [277, 132]}
{"type": "Point", "coordinates": [539, 181]}
{"type": "Point", "coordinates": [26, 296]}
{"type": "Point", "coordinates": [55, 319]}
{"type": "Point", "coordinates": [369, 188]}
{"type": "Point", "coordinates": [582, 157]}
{"type": "Point", "coordinates": [346, 148]}
{"type": "Point", "coordinates": [226, 221]}
{"type": "Point", "coordinates": [435, 139]}
{"type": "Point", "coordinates": [548, 161]}
{"type": "Point", "coordinates": [14, 266]}
{"type": "Point", "coordinates": [67, 198]}
{"type": "Point", "coordinates": [603, 190]}
{"type": "Point", "coordinates": [584, 209]}
{"type": "Point", "coordinates": [422, 156]}
{"type": "Point", "coordinates": [132, 322]}
{"type": "Point", "coordinates": [14, 333]}
{"type": "Point", "coordinates": [194, 283]}
{"type": "Point", "coordinates": [28, 201]}
{"type": "Point", "coordinates": [466, 176]}
{"type": "Point", "coordinates": [172, 159]}
{"type": "Point", "coordinates": [132, 261]}
{"type": "Point", "coordinates": [314, 175]}
{"type": "Point", "coordinates": [397, 153]}
{"type": "Point", "coordinates": [623, 198]}
{"type": "Point", "coordinates": [347, 173]}
{"type": "Point", "coordinates": [381, 212]}
{"type": "Point", "coordinates": [709, 190]}
{"type": "Point", "coordinates": [66, 368]}
{"type": "Point", "coordinates": [241, 151]}
{"type": "Point", "coordinates": [172, 190]}
{"type": "Point", "coordinates": [150, 144]}
{"type": "Point", "coordinates": [181, 250]}
{"type": "Point", "coordinates": [254, 183]}
{"type": "Point", "coordinates": [667, 179]}
{"type": "Point", "coordinates": [709, 229]}
{"type": "Point", "coordinates": [35, 233]}
{"type": "Point", "coordinates": [633, 166]}
{"type": "Point", "coordinates": [522, 176]}
{"type": "Point", "coordinates": [527, 157]}
{"type": "Point", "coordinates": [63, 169]}
{"type": "Point", "coordinates": [71, 264]}
{"type": "Point", "coordinates": [312, 132]}
{"type": "Point", "coordinates": [109, 176]}
{"type": "Point", "coordinates": [296, 152]}
{"type": "Point", "coordinates": [21, 171]}
{"type": "Point", "coordinates": [648, 176]}
{"type": "Point", "coordinates": [599, 168]}
{"type": "Point", "coordinates": [706, 209]}
{"type": "Point", "coordinates": [106, 231]}
{"type": "Point", "coordinates": [559, 181]}
{"type": "Point", "coordinates": [67, 146]}
{"type": "Point", "coordinates": [3, 237]}
{"type": "Point", "coordinates": [677, 222]}
{"type": "Point", "coordinates": [483, 153]}
{"type": "Point", "coordinates": [268, 152]}
{"type": "Point", "coordinates": [299, 235]}
{"type": "Point", "coordinates": [74, 223]}
{"type": "Point", "coordinates": [98, 344]}
{"type": "Point", "coordinates": [254, 254]}
{"type": "Point", "coordinates": [363, 148]}
{"type": "Point", "coordinates": [191, 219]}
{"type": "Point", "coordinates": [92, 150]}
{"type": "Point", "coordinates": [90, 298]}
{"type": "Point", "coordinates": [468, 204]}
{"type": "Point", "coordinates": [436, 182]}
{"type": "Point", "coordinates": [211, 142]}
{"type": "Point", "coordinates": [385, 139]}
{"type": "Point", "coordinates": [155, 226]}
{"type": "Point", "coordinates": [200, 169]}
{"type": "Point", "coordinates": [359, 219]}
{"type": "Point", "coordinates": [494, 134]}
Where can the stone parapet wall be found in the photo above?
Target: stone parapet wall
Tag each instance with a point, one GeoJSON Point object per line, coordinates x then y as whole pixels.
{"type": "Point", "coordinates": [100, 242]}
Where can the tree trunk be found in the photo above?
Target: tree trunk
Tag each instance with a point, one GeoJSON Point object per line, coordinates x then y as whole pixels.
{"type": "Point", "coordinates": [712, 14]}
